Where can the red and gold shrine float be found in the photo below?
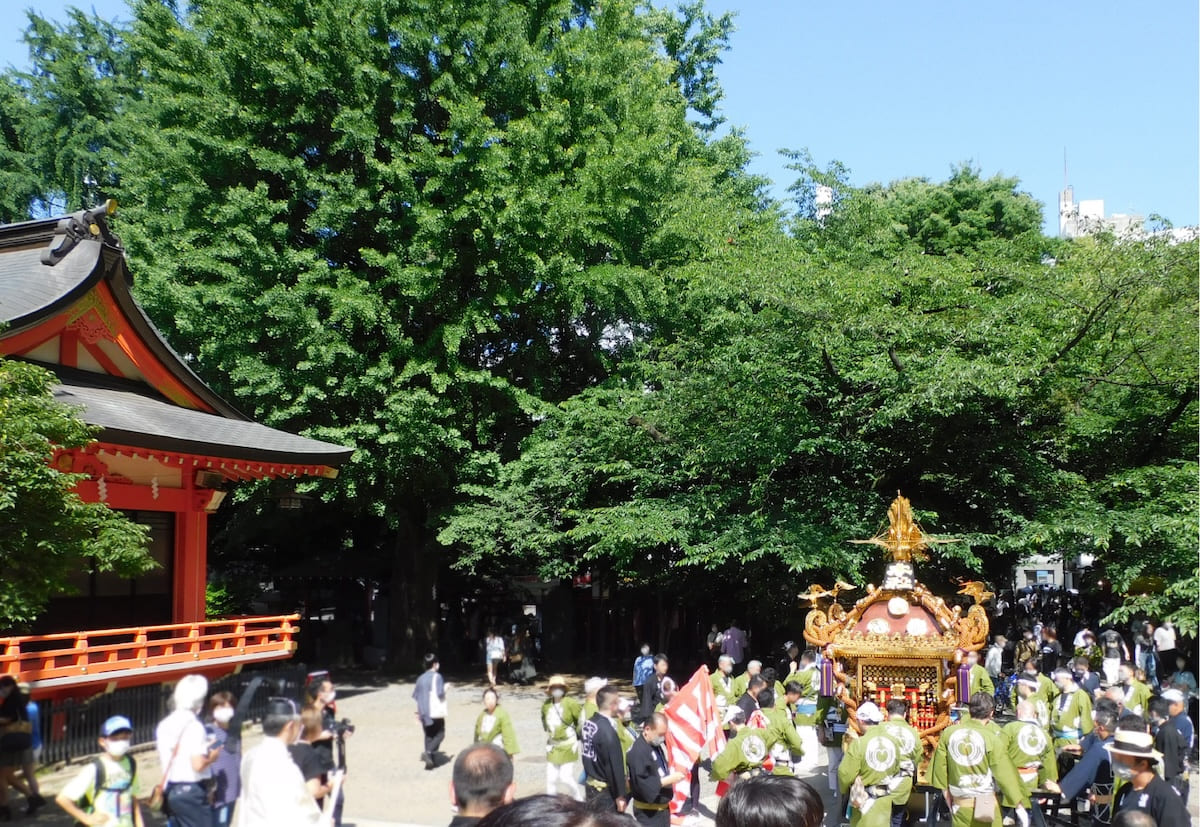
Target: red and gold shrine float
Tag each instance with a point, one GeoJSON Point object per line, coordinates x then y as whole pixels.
{"type": "Point", "coordinates": [900, 639]}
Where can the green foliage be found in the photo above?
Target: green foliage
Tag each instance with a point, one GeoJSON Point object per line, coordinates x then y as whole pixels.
{"type": "Point", "coordinates": [405, 227]}
{"type": "Point", "coordinates": [61, 134]}
{"type": "Point", "coordinates": [1026, 407]}
{"type": "Point", "coordinates": [964, 215]}
{"type": "Point", "coordinates": [46, 532]}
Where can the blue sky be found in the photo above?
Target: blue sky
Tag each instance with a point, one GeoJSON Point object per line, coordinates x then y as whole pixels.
{"type": "Point", "coordinates": [894, 90]}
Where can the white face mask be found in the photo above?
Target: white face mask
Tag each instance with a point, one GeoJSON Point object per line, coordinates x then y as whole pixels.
{"type": "Point", "coordinates": [223, 714]}
{"type": "Point", "coordinates": [556, 694]}
{"type": "Point", "coordinates": [1123, 771]}
{"type": "Point", "coordinates": [117, 748]}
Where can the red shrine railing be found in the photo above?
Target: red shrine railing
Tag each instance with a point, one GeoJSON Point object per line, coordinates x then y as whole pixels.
{"type": "Point", "coordinates": [108, 658]}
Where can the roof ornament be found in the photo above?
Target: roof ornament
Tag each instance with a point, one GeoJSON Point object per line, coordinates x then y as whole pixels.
{"type": "Point", "coordinates": [73, 228]}
{"type": "Point", "coordinates": [903, 538]}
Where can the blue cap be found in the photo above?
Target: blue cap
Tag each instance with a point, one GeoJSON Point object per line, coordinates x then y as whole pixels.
{"type": "Point", "coordinates": [115, 724]}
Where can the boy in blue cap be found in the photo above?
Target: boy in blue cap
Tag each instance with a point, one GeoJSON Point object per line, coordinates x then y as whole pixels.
{"type": "Point", "coordinates": [105, 790]}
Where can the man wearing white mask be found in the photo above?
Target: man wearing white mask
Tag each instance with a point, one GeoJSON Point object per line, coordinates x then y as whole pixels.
{"type": "Point", "coordinates": [273, 788]}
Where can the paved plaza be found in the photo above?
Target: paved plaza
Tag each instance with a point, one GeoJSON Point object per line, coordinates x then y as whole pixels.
{"type": "Point", "coordinates": [387, 785]}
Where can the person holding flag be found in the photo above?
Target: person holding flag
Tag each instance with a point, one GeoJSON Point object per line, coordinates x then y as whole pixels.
{"type": "Point", "coordinates": [651, 779]}
{"type": "Point", "coordinates": [693, 728]}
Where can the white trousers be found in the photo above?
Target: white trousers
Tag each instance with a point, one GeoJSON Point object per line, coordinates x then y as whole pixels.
{"type": "Point", "coordinates": [566, 775]}
{"type": "Point", "coordinates": [812, 748]}
{"type": "Point", "coordinates": [1110, 667]}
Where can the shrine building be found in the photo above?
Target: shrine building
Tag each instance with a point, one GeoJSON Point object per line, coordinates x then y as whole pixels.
{"type": "Point", "coordinates": [168, 450]}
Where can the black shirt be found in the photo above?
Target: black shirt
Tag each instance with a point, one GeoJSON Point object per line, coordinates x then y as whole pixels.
{"type": "Point", "coordinates": [313, 762]}
{"type": "Point", "coordinates": [748, 704]}
{"type": "Point", "coordinates": [1111, 644]}
{"type": "Point", "coordinates": [1169, 742]}
{"type": "Point", "coordinates": [464, 821]}
{"type": "Point", "coordinates": [647, 767]}
{"type": "Point", "coordinates": [1158, 798]}
{"type": "Point", "coordinates": [602, 756]}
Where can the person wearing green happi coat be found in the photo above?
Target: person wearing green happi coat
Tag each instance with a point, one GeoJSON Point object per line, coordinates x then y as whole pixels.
{"type": "Point", "coordinates": [724, 684]}
{"type": "Point", "coordinates": [782, 740]}
{"type": "Point", "coordinates": [1071, 715]}
{"type": "Point", "coordinates": [742, 682]}
{"type": "Point", "coordinates": [626, 733]}
{"type": "Point", "coordinates": [970, 762]}
{"type": "Point", "coordinates": [590, 687]}
{"type": "Point", "coordinates": [808, 710]}
{"type": "Point", "coordinates": [978, 679]}
{"type": "Point", "coordinates": [1136, 695]}
{"type": "Point", "coordinates": [494, 725]}
{"type": "Point", "coordinates": [562, 717]}
{"type": "Point", "coordinates": [1032, 753]}
{"type": "Point", "coordinates": [1044, 687]}
{"type": "Point", "coordinates": [909, 739]}
{"type": "Point", "coordinates": [1027, 690]}
{"type": "Point", "coordinates": [742, 755]}
{"type": "Point", "coordinates": [871, 777]}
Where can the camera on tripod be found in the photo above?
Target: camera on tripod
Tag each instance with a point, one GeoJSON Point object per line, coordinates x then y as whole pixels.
{"type": "Point", "coordinates": [341, 728]}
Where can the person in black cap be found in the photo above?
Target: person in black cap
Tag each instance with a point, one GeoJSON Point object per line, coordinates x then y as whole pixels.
{"type": "Point", "coordinates": [1134, 759]}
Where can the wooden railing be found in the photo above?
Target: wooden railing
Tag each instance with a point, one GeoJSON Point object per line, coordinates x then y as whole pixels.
{"type": "Point", "coordinates": [105, 655]}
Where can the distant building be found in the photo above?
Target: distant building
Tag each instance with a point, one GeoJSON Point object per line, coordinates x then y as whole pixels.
{"type": "Point", "coordinates": [1078, 218]}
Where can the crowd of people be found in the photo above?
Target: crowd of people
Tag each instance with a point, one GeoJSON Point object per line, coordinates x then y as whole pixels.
{"type": "Point", "coordinates": [1086, 732]}
{"type": "Point", "coordinates": [1089, 730]}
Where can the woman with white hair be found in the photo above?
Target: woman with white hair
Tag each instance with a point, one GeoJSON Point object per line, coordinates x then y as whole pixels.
{"type": "Point", "coordinates": [185, 753]}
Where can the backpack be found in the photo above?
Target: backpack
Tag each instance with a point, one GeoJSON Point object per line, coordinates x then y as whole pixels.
{"type": "Point", "coordinates": [87, 802]}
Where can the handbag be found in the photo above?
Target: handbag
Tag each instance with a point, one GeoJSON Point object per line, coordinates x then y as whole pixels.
{"type": "Point", "coordinates": [158, 797]}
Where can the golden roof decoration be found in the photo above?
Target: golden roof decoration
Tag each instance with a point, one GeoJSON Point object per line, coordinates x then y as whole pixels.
{"type": "Point", "coordinates": [903, 538]}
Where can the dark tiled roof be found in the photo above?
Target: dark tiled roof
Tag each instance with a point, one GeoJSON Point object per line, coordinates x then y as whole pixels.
{"type": "Point", "coordinates": [30, 290]}
{"type": "Point", "coordinates": [142, 421]}
{"type": "Point", "coordinates": [48, 264]}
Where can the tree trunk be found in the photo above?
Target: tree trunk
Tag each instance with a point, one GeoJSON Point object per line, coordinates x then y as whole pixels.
{"type": "Point", "coordinates": [414, 616]}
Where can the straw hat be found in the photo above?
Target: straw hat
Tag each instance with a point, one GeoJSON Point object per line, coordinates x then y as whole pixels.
{"type": "Point", "coordinates": [556, 680]}
{"type": "Point", "coordinates": [1134, 743]}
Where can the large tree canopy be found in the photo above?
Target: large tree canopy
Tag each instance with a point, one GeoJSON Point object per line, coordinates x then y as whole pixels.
{"type": "Point", "coordinates": [402, 226]}
{"type": "Point", "coordinates": [46, 532]}
{"type": "Point", "coordinates": [500, 249]}
{"type": "Point", "coordinates": [1026, 405]}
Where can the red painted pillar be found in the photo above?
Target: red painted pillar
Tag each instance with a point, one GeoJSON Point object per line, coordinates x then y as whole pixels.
{"type": "Point", "coordinates": [191, 565]}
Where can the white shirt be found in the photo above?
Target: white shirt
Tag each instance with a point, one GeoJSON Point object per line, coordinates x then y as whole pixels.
{"type": "Point", "coordinates": [1164, 639]}
{"type": "Point", "coordinates": [181, 727]}
{"type": "Point", "coordinates": [273, 790]}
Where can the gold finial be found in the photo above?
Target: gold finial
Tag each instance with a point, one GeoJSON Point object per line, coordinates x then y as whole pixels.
{"type": "Point", "coordinates": [903, 538]}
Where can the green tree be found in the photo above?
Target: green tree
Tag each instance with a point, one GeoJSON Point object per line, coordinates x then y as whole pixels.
{"type": "Point", "coordinates": [46, 532]}
{"type": "Point", "coordinates": [408, 227]}
{"type": "Point", "coordinates": [61, 127]}
{"type": "Point", "coordinates": [1025, 406]}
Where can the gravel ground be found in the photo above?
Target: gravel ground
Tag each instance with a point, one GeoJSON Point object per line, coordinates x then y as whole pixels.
{"type": "Point", "coordinates": [387, 785]}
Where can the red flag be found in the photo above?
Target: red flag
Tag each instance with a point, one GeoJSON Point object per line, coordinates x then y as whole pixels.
{"type": "Point", "coordinates": [692, 725]}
